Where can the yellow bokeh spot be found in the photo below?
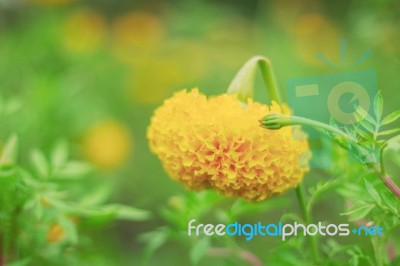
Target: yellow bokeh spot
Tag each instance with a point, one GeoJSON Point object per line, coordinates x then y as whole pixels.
{"type": "Point", "coordinates": [151, 79]}
{"type": "Point", "coordinates": [83, 32]}
{"type": "Point", "coordinates": [136, 30]}
{"type": "Point", "coordinates": [107, 144]}
{"type": "Point", "coordinates": [314, 33]}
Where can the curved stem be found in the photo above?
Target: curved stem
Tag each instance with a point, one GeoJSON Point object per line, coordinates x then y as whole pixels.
{"type": "Point", "coordinates": [269, 79]}
{"type": "Point", "coordinates": [243, 82]}
{"type": "Point", "coordinates": [306, 216]}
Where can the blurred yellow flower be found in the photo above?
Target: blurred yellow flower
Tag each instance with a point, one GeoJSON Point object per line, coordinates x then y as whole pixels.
{"type": "Point", "coordinates": [136, 30]}
{"type": "Point", "coordinates": [83, 32]}
{"type": "Point", "coordinates": [315, 33]}
{"type": "Point", "coordinates": [218, 143]}
{"type": "Point", "coordinates": [151, 79]}
{"type": "Point", "coordinates": [107, 144]}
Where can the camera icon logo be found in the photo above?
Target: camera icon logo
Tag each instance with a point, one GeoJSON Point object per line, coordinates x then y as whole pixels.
{"type": "Point", "coordinates": [331, 96]}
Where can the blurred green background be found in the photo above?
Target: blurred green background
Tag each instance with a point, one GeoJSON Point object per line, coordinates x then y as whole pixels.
{"type": "Point", "coordinates": [92, 72]}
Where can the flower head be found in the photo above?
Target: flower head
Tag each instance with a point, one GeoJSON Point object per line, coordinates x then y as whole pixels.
{"type": "Point", "coordinates": [218, 143]}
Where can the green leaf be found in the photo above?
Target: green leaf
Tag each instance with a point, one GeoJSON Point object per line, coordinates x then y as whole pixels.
{"type": "Point", "coordinates": [358, 211]}
{"type": "Point", "coordinates": [154, 240]}
{"type": "Point", "coordinates": [96, 196]}
{"type": "Point", "coordinates": [391, 117]}
{"type": "Point", "coordinates": [364, 115]}
{"type": "Point", "coordinates": [69, 228]}
{"type": "Point", "coordinates": [8, 176]}
{"type": "Point", "coordinates": [372, 192]}
{"type": "Point", "coordinates": [242, 83]}
{"type": "Point", "coordinates": [40, 163]}
{"type": "Point", "coordinates": [129, 213]}
{"type": "Point", "coordinates": [389, 132]}
{"type": "Point", "coordinates": [199, 250]}
{"type": "Point", "coordinates": [390, 202]}
{"type": "Point", "coordinates": [72, 170]}
{"type": "Point", "coordinates": [378, 106]}
{"type": "Point", "coordinates": [9, 154]}
{"type": "Point", "coordinates": [59, 154]}
{"type": "Point", "coordinates": [115, 211]}
{"type": "Point", "coordinates": [364, 123]}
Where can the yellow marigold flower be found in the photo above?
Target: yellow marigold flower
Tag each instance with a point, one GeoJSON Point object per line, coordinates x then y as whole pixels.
{"type": "Point", "coordinates": [107, 144]}
{"type": "Point", "coordinates": [218, 143]}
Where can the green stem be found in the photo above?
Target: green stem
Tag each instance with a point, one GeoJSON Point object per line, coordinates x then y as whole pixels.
{"type": "Point", "coordinates": [277, 121]}
{"type": "Point", "coordinates": [306, 216]}
{"type": "Point", "coordinates": [269, 79]}
{"type": "Point", "coordinates": [243, 82]}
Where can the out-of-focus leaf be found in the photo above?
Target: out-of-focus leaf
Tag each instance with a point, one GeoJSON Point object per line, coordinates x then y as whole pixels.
{"type": "Point", "coordinates": [9, 154]}
{"type": "Point", "coordinates": [69, 228]}
{"type": "Point", "coordinates": [72, 170]}
{"type": "Point", "coordinates": [128, 213]}
{"type": "Point", "coordinates": [359, 210]}
{"type": "Point", "coordinates": [115, 211]}
{"type": "Point", "coordinates": [389, 132]}
{"type": "Point", "coordinates": [391, 117]}
{"type": "Point", "coordinates": [8, 176]}
{"type": "Point", "coordinates": [199, 250]}
{"type": "Point", "coordinates": [96, 196]}
{"type": "Point", "coordinates": [154, 240]}
{"type": "Point", "coordinates": [372, 192]}
{"type": "Point", "coordinates": [40, 164]}
{"type": "Point", "coordinates": [59, 154]}
{"type": "Point", "coordinates": [378, 106]}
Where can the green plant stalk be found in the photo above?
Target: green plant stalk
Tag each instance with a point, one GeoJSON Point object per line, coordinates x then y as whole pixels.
{"type": "Point", "coordinates": [273, 92]}
{"type": "Point", "coordinates": [242, 85]}
{"type": "Point", "coordinates": [307, 219]}
{"type": "Point", "coordinates": [269, 79]}
{"type": "Point", "coordinates": [277, 121]}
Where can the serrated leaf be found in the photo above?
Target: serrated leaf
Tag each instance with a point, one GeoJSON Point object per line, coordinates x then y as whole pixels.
{"type": "Point", "coordinates": [9, 153]}
{"type": "Point", "coordinates": [358, 211]}
{"type": "Point", "coordinates": [199, 250]}
{"type": "Point", "coordinates": [389, 132]}
{"type": "Point", "coordinates": [378, 106]}
{"type": "Point", "coordinates": [391, 118]}
{"type": "Point", "coordinates": [372, 192]}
